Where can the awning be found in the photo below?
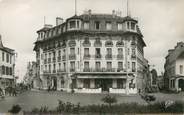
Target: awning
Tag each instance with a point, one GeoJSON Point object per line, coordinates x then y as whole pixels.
{"type": "Point", "coordinates": [82, 76]}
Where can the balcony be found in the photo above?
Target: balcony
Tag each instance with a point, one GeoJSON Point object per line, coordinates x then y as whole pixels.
{"type": "Point", "coordinates": [59, 58]}
{"type": "Point", "coordinates": [45, 61]}
{"type": "Point", "coordinates": [98, 44]}
{"type": "Point", "coordinates": [46, 72]}
{"type": "Point", "coordinates": [119, 56]}
{"type": "Point", "coordinates": [103, 70]}
{"type": "Point", "coordinates": [86, 44]}
{"type": "Point", "coordinates": [109, 44]}
{"type": "Point", "coordinates": [133, 56]}
{"type": "Point", "coordinates": [133, 70]}
{"type": "Point", "coordinates": [64, 57]}
{"type": "Point", "coordinates": [72, 69]}
{"type": "Point", "coordinates": [119, 44]}
{"type": "Point", "coordinates": [120, 69]}
{"type": "Point", "coordinates": [98, 56]}
{"type": "Point", "coordinates": [54, 71]}
{"type": "Point", "coordinates": [108, 56]}
{"type": "Point", "coordinates": [54, 59]}
{"type": "Point", "coordinates": [49, 60]}
{"type": "Point", "coordinates": [87, 56]}
{"type": "Point", "coordinates": [72, 57]}
{"type": "Point", "coordinates": [61, 70]}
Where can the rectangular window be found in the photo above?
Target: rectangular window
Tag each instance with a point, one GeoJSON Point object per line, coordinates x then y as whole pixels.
{"type": "Point", "coordinates": [133, 67]}
{"type": "Point", "coordinates": [86, 65]}
{"type": "Point", "coordinates": [45, 67]}
{"type": "Point", "coordinates": [2, 56]}
{"type": "Point", "coordinates": [86, 51]}
{"type": "Point", "coordinates": [86, 25]}
{"type": "Point", "coordinates": [128, 25]}
{"type": "Point", "coordinates": [10, 59]}
{"type": "Point", "coordinates": [121, 83]}
{"type": "Point", "coordinates": [59, 53]}
{"type": "Point", "coordinates": [133, 51]}
{"type": "Point", "coordinates": [72, 66]}
{"type": "Point", "coordinates": [72, 24]}
{"type": "Point", "coordinates": [49, 68]}
{"type": "Point", "coordinates": [97, 65]}
{"type": "Point", "coordinates": [120, 51]}
{"type": "Point", "coordinates": [97, 51]}
{"type": "Point", "coordinates": [86, 83]}
{"type": "Point", "coordinates": [109, 65]}
{"type": "Point", "coordinates": [64, 66]}
{"type": "Point", "coordinates": [109, 51]}
{"type": "Point", "coordinates": [59, 66]}
{"type": "Point", "coordinates": [72, 51]}
{"type": "Point", "coordinates": [120, 26]}
{"type": "Point", "coordinates": [120, 65]}
{"type": "Point", "coordinates": [97, 25]}
{"type": "Point", "coordinates": [108, 26]}
{"type": "Point", "coordinates": [181, 69]}
{"type": "Point", "coordinates": [132, 26]}
{"type": "Point", "coordinates": [7, 58]}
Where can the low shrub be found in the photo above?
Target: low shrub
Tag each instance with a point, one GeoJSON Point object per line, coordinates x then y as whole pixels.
{"type": "Point", "coordinates": [15, 109]}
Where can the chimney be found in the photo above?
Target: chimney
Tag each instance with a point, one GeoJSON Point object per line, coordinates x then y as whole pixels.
{"type": "Point", "coordinates": [113, 13]}
{"type": "Point", "coordinates": [48, 26]}
{"type": "Point", "coordinates": [1, 44]}
{"type": "Point", "coordinates": [59, 21]}
{"type": "Point", "coordinates": [89, 11]}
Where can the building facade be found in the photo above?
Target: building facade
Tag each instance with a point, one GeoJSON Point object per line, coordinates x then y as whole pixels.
{"type": "Point", "coordinates": [92, 53]}
{"type": "Point", "coordinates": [7, 66]}
{"type": "Point", "coordinates": [174, 68]}
{"type": "Point", "coordinates": [30, 77]}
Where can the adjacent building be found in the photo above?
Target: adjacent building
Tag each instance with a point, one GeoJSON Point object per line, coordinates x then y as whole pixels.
{"type": "Point", "coordinates": [174, 68]}
{"type": "Point", "coordinates": [30, 77]}
{"type": "Point", "coordinates": [92, 53]}
{"type": "Point", "coordinates": [7, 66]}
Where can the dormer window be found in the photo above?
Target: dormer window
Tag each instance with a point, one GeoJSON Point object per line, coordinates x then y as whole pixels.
{"type": "Point", "coordinates": [72, 24]}
{"type": "Point", "coordinates": [97, 25]}
{"type": "Point", "coordinates": [108, 26]}
{"type": "Point", "coordinates": [86, 25]}
{"type": "Point", "coordinates": [132, 25]}
{"type": "Point", "coordinates": [120, 26]}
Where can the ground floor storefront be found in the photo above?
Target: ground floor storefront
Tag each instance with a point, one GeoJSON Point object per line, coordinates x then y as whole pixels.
{"type": "Point", "coordinates": [176, 83]}
{"type": "Point", "coordinates": [104, 83]}
{"type": "Point", "coordinates": [7, 82]}
{"type": "Point", "coordinates": [90, 83]}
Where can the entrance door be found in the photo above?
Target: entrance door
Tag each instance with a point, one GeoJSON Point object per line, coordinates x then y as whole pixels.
{"type": "Point", "coordinates": [106, 84]}
{"type": "Point", "coordinates": [54, 83]}
{"type": "Point", "coordinates": [181, 84]}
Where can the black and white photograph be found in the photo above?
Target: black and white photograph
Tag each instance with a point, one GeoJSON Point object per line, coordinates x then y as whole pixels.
{"type": "Point", "coordinates": [91, 57]}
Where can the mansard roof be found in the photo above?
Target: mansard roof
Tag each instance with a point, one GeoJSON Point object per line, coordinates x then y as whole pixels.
{"type": "Point", "coordinates": [5, 48]}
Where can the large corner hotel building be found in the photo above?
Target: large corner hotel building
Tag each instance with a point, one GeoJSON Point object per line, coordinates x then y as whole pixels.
{"type": "Point", "coordinates": [91, 53]}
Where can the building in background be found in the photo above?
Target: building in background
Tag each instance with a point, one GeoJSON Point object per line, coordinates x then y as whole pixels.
{"type": "Point", "coordinates": [30, 77]}
{"type": "Point", "coordinates": [174, 68]}
{"type": "Point", "coordinates": [7, 66]}
{"type": "Point", "coordinates": [92, 53]}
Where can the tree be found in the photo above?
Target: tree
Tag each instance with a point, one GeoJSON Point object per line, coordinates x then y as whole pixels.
{"type": "Point", "coordinates": [109, 100]}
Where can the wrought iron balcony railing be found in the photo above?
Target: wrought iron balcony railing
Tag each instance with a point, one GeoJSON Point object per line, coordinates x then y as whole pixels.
{"type": "Point", "coordinates": [49, 60]}
{"type": "Point", "coordinates": [61, 70]}
{"type": "Point", "coordinates": [133, 56]}
{"type": "Point", "coordinates": [64, 57]}
{"type": "Point", "coordinates": [72, 69]}
{"type": "Point", "coordinates": [54, 71]}
{"type": "Point", "coordinates": [54, 59]}
{"type": "Point", "coordinates": [119, 56]}
{"type": "Point", "coordinates": [103, 70]}
{"type": "Point", "coordinates": [108, 56]}
{"type": "Point", "coordinates": [59, 58]}
{"type": "Point", "coordinates": [98, 56]}
{"type": "Point", "coordinates": [87, 56]}
{"type": "Point", "coordinates": [45, 61]}
{"type": "Point", "coordinates": [72, 57]}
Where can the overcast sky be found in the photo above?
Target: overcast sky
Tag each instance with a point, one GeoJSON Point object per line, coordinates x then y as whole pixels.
{"type": "Point", "coordinates": [161, 22]}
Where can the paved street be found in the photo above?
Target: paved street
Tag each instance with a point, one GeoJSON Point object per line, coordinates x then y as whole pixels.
{"type": "Point", "coordinates": [31, 99]}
